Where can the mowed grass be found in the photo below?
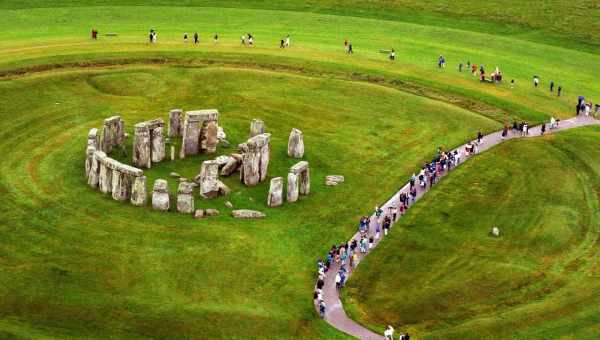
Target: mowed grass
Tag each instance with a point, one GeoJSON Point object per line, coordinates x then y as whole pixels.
{"type": "Point", "coordinates": [441, 275]}
{"type": "Point", "coordinates": [77, 263]}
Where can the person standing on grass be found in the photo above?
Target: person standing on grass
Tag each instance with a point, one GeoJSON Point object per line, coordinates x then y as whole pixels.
{"type": "Point", "coordinates": [94, 34]}
{"type": "Point", "coordinates": [346, 45]}
{"type": "Point", "coordinates": [196, 38]}
{"type": "Point", "coordinates": [559, 91]}
{"type": "Point", "coordinates": [150, 36]}
{"type": "Point", "coordinates": [551, 85]}
{"type": "Point", "coordinates": [287, 41]}
{"type": "Point", "coordinates": [281, 44]}
{"type": "Point", "coordinates": [185, 37]}
{"type": "Point", "coordinates": [389, 333]}
{"type": "Point", "coordinates": [543, 129]}
{"type": "Point", "coordinates": [216, 38]}
{"type": "Point", "coordinates": [460, 67]}
{"type": "Point", "coordinates": [350, 51]}
{"type": "Point", "coordinates": [393, 55]}
{"type": "Point", "coordinates": [536, 81]}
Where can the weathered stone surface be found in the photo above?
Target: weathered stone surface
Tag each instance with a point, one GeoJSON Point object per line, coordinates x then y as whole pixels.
{"type": "Point", "coordinates": [229, 205]}
{"type": "Point", "coordinates": [292, 187]}
{"type": "Point", "coordinates": [246, 214]}
{"type": "Point", "coordinates": [199, 213]}
{"type": "Point", "coordinates": [142, 146]}
{"type": "Point", "coordinates": [94, 174]}
{"type": "Point", "coordinates": [175, 174]}
{"type": "Point", "coordinates": [211, 212]}
{"type": "Point", "coordinates": [304, 180]}
{"type": "Point", "coordinates": [223, 189]}
{"type": "Point", "coordinates": [209, 138]}
{"type": "Point", "coordinates": [172, 152]}
{"type": "Point", "coordinates": [275, 196]}
{"type": "Point", "coordinates": [199, 132]}
{"type": "Point", "coordinates": [94, 138]}
{"type": "Point", "coordinates": [221, 133]}
{"type": "Point", "coordinates": [296, 144]}
{"type": "Point", "coordinates": [121, 186]}
{"type": "Point", "coordinates": [232, 165]}
{"type": "Point", "coordinates": [89, 157]}
{"type": "Point", "coordinates": [185, 198]}
{"type": "Point", "coordinates": [222, 160]}
{"type": "Point", "coordinates": [257, 127]}
{"type": "Point", "coordinates": [208, 179]}
{"type": "Point", "coordinates": [138, 191]}
{"type": "Point", "coordinates": [332, 180]}
{"type": "Point", "coordinates": [160, 195]}
{"type": "Point", "coordinates": [113, 133]}
{"type": "Point", "coordinates": [255, 159]}
{"type": "Point", "coordinates": [158, 144]}
{"type": "Point", "coordinates": [175, 123]}
{"type": "Point", "coordinates": [105, 178]}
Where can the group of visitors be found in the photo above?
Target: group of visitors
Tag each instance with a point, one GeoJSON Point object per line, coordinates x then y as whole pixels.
{"type": "Point", "coordinates": [284, 43]}
{"type": "Point", "coordinates": [348, 47]}
{"type": "Point", "coordinates": [152, 36]}
{"type": "Point", "coordinates": [389, 334]}
{"type": "Point", "coordinates": [247, 39]}
{"type": "Point", "coordinates": [585, 108]}
{"type": "Point", "coordinates": [196, 38]}
{"type": "Point", "coordinates": [441, 61]}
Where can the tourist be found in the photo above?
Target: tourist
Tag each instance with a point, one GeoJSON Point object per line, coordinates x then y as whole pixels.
{"type": "Point", "coordinates": [250, 40]}
{"type": "Point", "coordinates": [196, 38]}
{"type": "Point", "coordinates": [94, 34]}
{"type": "Point", "coordinates": [150, 36]}
{"type": "Point", "coordinates": [371, 242]}
{"type": "Point", "coordinates": [460, 67]}
{"type": "Point", "coordinates": [346, 45]}
{"type": "Point", "coordinates": [338, 281]}
{"type": "Point", "coordinates": [512, 83]}
{"type": "Point", "coordinates": [551, 85]}
{"type": "Point", "coordinates": [386, 225]}
{"type": "Point", "coordinates": [552, 122]}
{"type": "Point", "coordinates": [377, 232]}
{"type": "Point", "coordinates": [413, 178]}
{"type": "Point", "coordinates": [393, 55]}
{"type": "Point", "coordinates": [389, 333]}
{"type": "Point", "coordinates": [479, 137]}
{"type": "Point", "coordinates": [543, 129]}
{"type": "Point", "coordinates": [536, 81]}
{"type": "Point", "coordinates": [281, 44]}
{"type": "Point", "coordinates": [322, 307]}
{"type": "Point", "coordinates": [216, 38]}
{"type": "Point", "coordinates": [243, 40]}
{"type": "Point", "coordinates": [350, 51]}
{"type": "Point", "coordinates": [596, 109]}
{"type": "Point", "coordinates": [287, 41]}
{"type": "Point", "coordinates": [185, 37]}
{"type": "Point", "coordinates": [504, 132]}
{"type": "Point", "coordinates": [559, 91]}
{"type": "Point", "coordinates": [525, 129]}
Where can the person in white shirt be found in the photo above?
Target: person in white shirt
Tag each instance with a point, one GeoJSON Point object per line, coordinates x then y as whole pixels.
{"type": "Point", "coordinates": [287, 41]}
{"type": "Point", "coordinates": [389, 333]}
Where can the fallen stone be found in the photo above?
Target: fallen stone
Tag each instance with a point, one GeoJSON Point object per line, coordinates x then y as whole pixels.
{"type": "Point", "coordinates": [211, 212]}
{"type": "Point", "coordinates": [233, 165]}
{"type": "Point", "coordinates": [175, 174]}
{"type": "Point", "coordinates": [223, 189]}
{"type": "Point", "coordinates": [247, 214]}
{"type": "Point", "coordinates": [223, 160]}
{"type": "Point", "coordinates": [229, 205]}
{"type": "Point", "coordinates": [199, 213]}
{"type": "Point", "coordinates": [332, 180]}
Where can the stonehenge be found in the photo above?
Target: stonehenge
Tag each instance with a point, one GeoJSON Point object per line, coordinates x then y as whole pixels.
{"type": "Point", "coordinates": [298, 181]}
{"type": "Point", "coordinates": [275, 196]}
{"type": "Point", "coordinates": [257, 127]}
{"type": "Point", "coordinates": [185, 198]}
{"type": "Point", "coordinates": [255, 159]}
{"type": "Point", "coordinates": [232, 165]}
{"type": "Point", "coordinates": [175, 123]}
{"type": "Point", "coordinates": [199, 133]}
{"type": "Point", "coordinates": [296, 144]}
{"type": "Point", "coordinates": [94, 139]}
{"type": "Point", "coordinates": [113, 133]}
{"type": "Point", "coordinates": [148, 143]}
{"type": "Point", "coordinates": [160, 195]}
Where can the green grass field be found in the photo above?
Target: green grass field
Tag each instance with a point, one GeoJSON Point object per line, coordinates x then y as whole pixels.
{"type": "Point", "coordinates": [76, 264]}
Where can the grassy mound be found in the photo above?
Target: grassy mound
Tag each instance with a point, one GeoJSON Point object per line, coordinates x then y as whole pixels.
{"type": "Point", "coordinates": [440, 274]}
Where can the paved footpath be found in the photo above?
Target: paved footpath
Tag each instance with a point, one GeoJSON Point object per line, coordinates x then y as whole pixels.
{"type": "Point", "coordinates": [335, 314]}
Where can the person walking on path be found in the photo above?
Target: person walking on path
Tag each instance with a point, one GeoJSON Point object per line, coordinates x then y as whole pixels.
{"type": "Point", "coordinates": [479, 137]}
{"type": "Point", "coordinates": [389, 333]}
{"type": "Point", "coordinates": [322, 308]}
{"type": "Point", "coordinates": [543, 129]}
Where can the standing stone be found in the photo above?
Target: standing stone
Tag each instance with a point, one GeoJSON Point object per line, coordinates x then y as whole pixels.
{"type": "Point", "coordinates": [160, 195]}
{"type": "Point", "coordinates": [141, 146]}
{"type": "Point", "coordinates": [172, 152]}
{"type": "Point", "coordinates": [158, 144]}
{"type": "Point", "coordinates": [208, 179]}
{"type": "Point", "coordinates": [89, 158]}
{"type": "Point", "coordinates": [210, 141]}
{"type": "Point", "coordinates": [296, 144]}
{"type": "Point", "coordinates": [255, 159]}
{"type": "Point", "coordinates": [292, 187]}
{"type": "Point", "coordinates": [305, 182]}
{"type": "Point", "coordinates": [275, 197]}
{"type": "Point", "coordinates": [175, 123]}
{"type": "Point", "coordinates": [121, 186]}
{"type": "Point", "coordinates": [138, 191]}
{"type": "Point", "coordinates": [94, 174]}
{"type": "Point", "coordinates": [93, 138]}
{"type": "Point", "coordinates": [257, 127]}
{"type": "Point", "coordinates": [185, 198]}
{"type": "Point", "coordinates": [105, 177]}
{"type": "Point", "coordinates": [113, 133]}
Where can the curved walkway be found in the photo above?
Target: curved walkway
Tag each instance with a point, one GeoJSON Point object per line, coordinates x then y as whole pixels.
{"type": "Point", "coordinates": [335, 314]}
